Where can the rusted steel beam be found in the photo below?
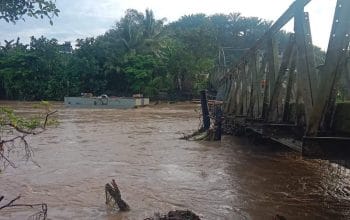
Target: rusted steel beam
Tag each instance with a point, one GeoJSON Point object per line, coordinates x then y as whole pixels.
{"type": "Point", "coordinates": [335, 58]}
{"type": "Point", "coordinates": [271, 74]}
{"type": "Point", "coordinates": [273, 63]}
{"type": "Point", "coordinates": [228, 88]}
{"type": "Point", "coordinates": [286, 60]}
{"type": "Point", "coordinates": [239, 92]}
{"type": "Point", "coordinates": [228, 94]}
{"type": "Point", "coordinates": [290, 85]}
{"type": "Point", "coordinates": [228, 100]}
{"type": "Point", "coordinates": [281, 21]}
{"type": "Point", "coordinates": [310, 56]}
{"type": "Point", "coordinates": [346, 77]}
{"type": "Point", "coordinates": [265, 103]}
{"type": "Point", "coordinates": [232, 106]}
{"type": "Point", "coordinates": [261, 80]}
{"type": "Point", "coordinates": [249, 84]}
{"type": "Point", "coordinates": [245, 84]}
{"type": "Point", "coordinates": [234, 101]}
{"type": "Point", "coordinates": [306, 71]}
{"type": "Point", "coordinates": [254, 95]}
{"type": "Point", "coordinates": [328, 118]}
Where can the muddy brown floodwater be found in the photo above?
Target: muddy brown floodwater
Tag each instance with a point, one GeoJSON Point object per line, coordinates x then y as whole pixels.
{"type": "Point", "coordinates": [157, 171]}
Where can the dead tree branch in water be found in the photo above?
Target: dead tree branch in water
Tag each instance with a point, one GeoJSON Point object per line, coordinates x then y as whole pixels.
{"type": "Point", "coordinates": [212, 117]}
{"type": "Point", "coordinates": [113, 193]}
{"type": "Point", "coordinates": [15, 129]}
{"type": "Point", "coordinates": [13, 133]}
{"type": "Point", "coordinates": [40, 215]}
{"type": "Point", "coordinates": [9, 203]}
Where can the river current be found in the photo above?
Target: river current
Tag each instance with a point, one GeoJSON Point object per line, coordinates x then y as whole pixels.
{"type": "Point", "coordinates": [157, 171]}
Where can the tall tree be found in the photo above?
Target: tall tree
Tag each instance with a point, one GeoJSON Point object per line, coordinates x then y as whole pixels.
{"type": "Point", "coordinates": [140, 54]}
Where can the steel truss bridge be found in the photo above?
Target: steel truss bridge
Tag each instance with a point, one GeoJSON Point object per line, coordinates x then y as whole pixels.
{"type": "Point", "coordinates": [280, 93]}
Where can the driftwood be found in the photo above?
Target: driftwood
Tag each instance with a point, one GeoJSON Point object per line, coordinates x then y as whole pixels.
{"type": "Point", "coordinates": [113, 193]}
{"type": "Point", "coordinates": [176, 215]}
{"type": "Point", "coordinates": [208, 131]}
{"type": "Point", "coordinates": [211, 134]}
{"type": "Point", "coordinates": [197, 135]}
{"type": "Point", "coordinates": [40, 215]}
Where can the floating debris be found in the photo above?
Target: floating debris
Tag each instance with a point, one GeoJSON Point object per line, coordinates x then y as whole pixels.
{"type": "Point", "coordinates": [113, 193]}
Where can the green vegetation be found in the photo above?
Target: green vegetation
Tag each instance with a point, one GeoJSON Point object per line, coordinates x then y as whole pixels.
{"type": "Point", "coordinates": [14, 10]}
{"type": "Point", "coordinates": [140, 54]}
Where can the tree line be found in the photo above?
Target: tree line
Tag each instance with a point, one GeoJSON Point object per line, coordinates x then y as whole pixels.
{"type": "Point", "coordinates": [139, 54]}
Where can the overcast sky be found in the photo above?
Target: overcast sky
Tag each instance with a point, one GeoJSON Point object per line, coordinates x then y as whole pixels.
{"type": "Point", "coordinates": [86, 18]}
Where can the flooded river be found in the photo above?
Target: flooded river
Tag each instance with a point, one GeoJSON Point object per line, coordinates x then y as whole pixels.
{"type": "Point", "coordinates": [157, 171]}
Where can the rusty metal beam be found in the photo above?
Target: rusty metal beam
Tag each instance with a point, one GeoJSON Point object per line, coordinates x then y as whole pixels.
{"type": "Point", "coordinates": [272, 48]}
{"type": "Point", "coordinates": [290, 85]}
{"type": "Point", "coordinates": [335, 58]}
{"type": "Point", "coordinates": [271, 74]}
{"type": "Point", "coordinates": [262, 74]}
{"type": "Point", "coordinates": [286, 60]}
{"type": "Point", "coordinates": [245, 79]}
{"type": "Point", "coordinates": [280, 22]}
{"type": "Point", "coordinates": [310, 56]}
{"type": "Point", "coordinates": [306, 71]}
{"type": "Point", "coordinates": [233, 105]}
{"type": "Point", "coordinates": [254, 95]}
{"type": "Point", "coordinates": [239, 92]}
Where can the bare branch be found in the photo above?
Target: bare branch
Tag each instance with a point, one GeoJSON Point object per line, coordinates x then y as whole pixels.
{"type": "Point", "coordinates": [8, 161]}
{"type": "Point", "coordinates": [10, 203]}
{"type": "Point", "coordinates": [42, 214]}
{"type": "Point", "coordinates": [23, 132]}
{"type": "Point", "coordinates": [11, 140]}
{"type": "Point", "coordinates": [47, 117]}
{"type": "Point", "coordinates": [20, 130]}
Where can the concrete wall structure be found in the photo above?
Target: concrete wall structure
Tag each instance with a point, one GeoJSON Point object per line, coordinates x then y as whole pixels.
{"type": "Point", "coordinates": [102, 102]}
